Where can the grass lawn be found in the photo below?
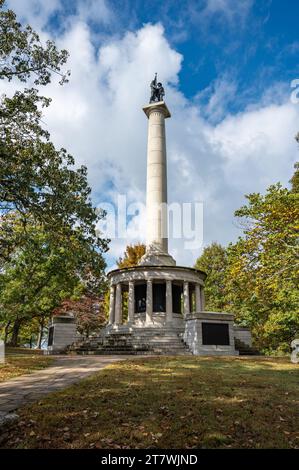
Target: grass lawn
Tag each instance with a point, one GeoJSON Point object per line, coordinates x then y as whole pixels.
{"type": "Point", "coordinates": [170, 402]}
{"type": "Point", "coordinates": [16, 365]}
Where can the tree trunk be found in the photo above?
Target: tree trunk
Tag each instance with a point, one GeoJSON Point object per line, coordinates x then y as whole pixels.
{"type": "Point", "coordinates": [15, 333]}
{"type": "Point", "coordinates": [6, 331]}
{"type": "Point", "coordinates": [40, 333]}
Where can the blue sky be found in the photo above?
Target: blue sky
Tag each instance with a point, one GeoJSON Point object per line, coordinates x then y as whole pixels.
{"type": "Point", "coordinates": [226, 65]}
{"type": "Point", "coordinates": [256, 42]}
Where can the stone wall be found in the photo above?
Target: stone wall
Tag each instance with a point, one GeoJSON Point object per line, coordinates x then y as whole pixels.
{"type": "Point", "coordinates": [64, 333]}
{"type": "Point", "coordinates": [193, 335]}
{"type": "Point", "coordinates": [243, 334]}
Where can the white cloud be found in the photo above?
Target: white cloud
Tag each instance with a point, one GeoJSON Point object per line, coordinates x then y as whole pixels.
{"type": "Point", "coordinates": [96, 11]}
{"type": "Point", "coordinates": [98, 118]}
{"type": "Point", "coordinates": [38, 12]}
{"type": "Point", "coordinates": [259, 143]}
{"type": "Point", "coordinates": [35, 12]}
{"type": "Point", "coordinates": [232, 11]}
{"type": "Point", "coordinates": [219, 94]}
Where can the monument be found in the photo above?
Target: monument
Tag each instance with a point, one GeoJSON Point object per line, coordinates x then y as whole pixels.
{"type": "Point", "coordinates": [158, 307]}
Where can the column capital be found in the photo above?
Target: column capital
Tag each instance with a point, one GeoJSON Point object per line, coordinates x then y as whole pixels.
{"type": "Point", "coordinates": [158, 106]}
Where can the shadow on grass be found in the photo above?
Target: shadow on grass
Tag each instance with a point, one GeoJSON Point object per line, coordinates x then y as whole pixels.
{"type": "Point", "coordinates": [169, 402]}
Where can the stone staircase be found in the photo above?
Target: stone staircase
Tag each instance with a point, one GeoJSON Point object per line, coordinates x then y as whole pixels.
{"type": "Point", "coordinates": [149, 341]}
{"type": "Point", "coordinates": [245, 350]}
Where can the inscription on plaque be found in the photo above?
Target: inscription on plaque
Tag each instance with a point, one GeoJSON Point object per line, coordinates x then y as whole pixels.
{"type": "Point", "coordinates": [215, 333]}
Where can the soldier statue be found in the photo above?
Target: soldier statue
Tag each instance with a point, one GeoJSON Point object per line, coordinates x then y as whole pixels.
{"type": "Point", "coordinates": [157, 91]}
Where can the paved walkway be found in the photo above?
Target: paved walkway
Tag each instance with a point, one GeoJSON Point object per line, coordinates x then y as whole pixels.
{"type": "Point", "coordinates": [65, 371]}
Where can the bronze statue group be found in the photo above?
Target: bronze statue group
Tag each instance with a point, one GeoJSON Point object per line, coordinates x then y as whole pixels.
{"type": "Point", "coordinates": [157, 91]}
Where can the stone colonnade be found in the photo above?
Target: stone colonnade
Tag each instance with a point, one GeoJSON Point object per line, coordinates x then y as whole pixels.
{"type": "Point", "coordinates": [189, 294]}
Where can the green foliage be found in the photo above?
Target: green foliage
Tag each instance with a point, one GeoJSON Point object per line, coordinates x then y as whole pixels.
{"type": "Point", "coordinates": [262, 274]}
{"type": "Point", "coordinates": [256, 278]}
{"type": "Point", "coordinates": [295, 178]}
{"type": "Point", "coordinates": [22, 54]}
{"type": "Point", "coordinates": [213, 262]}
{"type": "Point", "coordinates": [49, 247]}
{"type": "Point", "coordinates": [44, 270]}
{"type": "Point", "coordinates": [35, 177]}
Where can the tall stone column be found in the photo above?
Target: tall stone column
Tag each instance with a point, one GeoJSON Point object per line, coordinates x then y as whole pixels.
{"type": "Point", "coordinates": [131, 303]}
{"type": "Point", "coordinates": [156, 188]}
{"type": "Point", "coordinates": [198, 305]}
{"type": "Point", "coordinates": [186, 298]}
{"type": "Point", "coordinates": [112, 305]}
{"type": "Point", "coordinates": [149, 301]}
{"type": "Point", "coordinates": [169, 316]}
{"type": "Point", "coordinates": [118, 305]}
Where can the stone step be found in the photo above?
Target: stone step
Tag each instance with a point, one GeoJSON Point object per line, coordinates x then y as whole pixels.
{"type": "Point", "coordinates": [140, 332]}
{"type": "Point", "coordinates": [135, 353]}
{"type": "Point", "coordinates": [130, 348]}
{"type": "Point", "coordinates": [136, 346]}
{"type": "Point", "coordinates": [138, 340]}
{"type": "Point", "coordinates": [157, 338]}
{"type": "Point", "coordinates": [151, 341]}
{"type": "Point", "coordinates": [109, 353]}
{"type": "Point", "coordinates": [138, 335]}
{"type": "Point", "coordinates": [134, 339]}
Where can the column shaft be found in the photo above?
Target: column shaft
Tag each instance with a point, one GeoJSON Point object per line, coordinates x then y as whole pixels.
{"type": "Point", "coordinates": [118, 305]}
{"type": "Point", "coordinates": [156, 186]}
{"type": "Point", "coordinates": [149, 302]}
{"type": "Point", "coordinates": [131, 303]}
{"type": "Point", "coordinates": [186, 298]}
{"type": "Point", "coordinates": [169, 316]}
{"type": "Point", "coordinates": [198, 305]}
{"type": "Point", "coordinates": [112, 305]}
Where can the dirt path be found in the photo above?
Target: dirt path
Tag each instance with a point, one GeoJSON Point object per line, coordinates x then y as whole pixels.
{"type": "Point", "coordinates": [65, 371]}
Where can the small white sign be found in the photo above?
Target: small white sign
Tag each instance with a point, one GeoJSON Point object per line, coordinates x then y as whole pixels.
{"type": "Point", "coordinates": [2, 351]}
{"type": "Point", "coordinates": [295, 351]}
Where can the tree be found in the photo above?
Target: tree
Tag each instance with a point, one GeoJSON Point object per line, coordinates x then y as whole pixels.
{"type": "Point", "coordinates": [49, 246]}
{"type": "Point", "coordinates": [22, 54]}
{"type": "Point", "coordinates": [132, 256]}
{"type": "Point", "coordinates": [295, 179]}
{"type": "Point", "coordinates": [213, 262]}
{"type": "Point", "coordinates": [45, 269]}
{"type": "Point", "coordinates": [263, 267]}
{"type": "Point", "coordinates": [88, 311]}
{"type": "Point", "coordinates": [35, 177]}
